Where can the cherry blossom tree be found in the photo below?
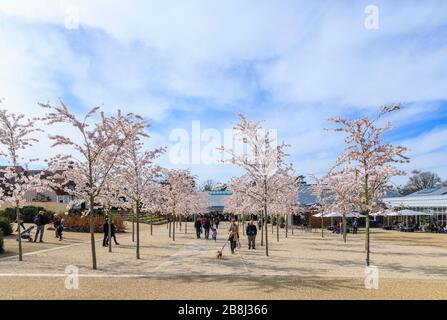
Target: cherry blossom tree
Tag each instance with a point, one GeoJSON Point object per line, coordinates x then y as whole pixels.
{"type": "Point", "coordinates": [179, 196]}
{"type": "Point", "coordinates": [100, 144]}
{"type": "Point", "coordinates": [112, 197]}
{"type": "Point", "coordinates": [17, 134]}
{"type": "Point", "coordinates": [263, 162]}
{"type": "Point", "coordinates": [344, 190]}
{"type": "Point", "coordinates": [321, 190]}
{"type": "Point", "coordinates": [136, 171]}
{"type": "Point", "coordinates": [373, 160]}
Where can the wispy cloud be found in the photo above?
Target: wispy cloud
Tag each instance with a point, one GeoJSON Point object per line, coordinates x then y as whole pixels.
{"type": "Point", "coordinates": [292, 63]}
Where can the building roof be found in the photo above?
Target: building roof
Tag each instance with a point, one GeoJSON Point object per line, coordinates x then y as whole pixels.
{"type": "Point", "coordinates": [440, 191]}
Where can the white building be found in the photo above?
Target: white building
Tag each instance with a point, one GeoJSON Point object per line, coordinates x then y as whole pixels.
{"type": "Point", "coordinates": [429, 200]}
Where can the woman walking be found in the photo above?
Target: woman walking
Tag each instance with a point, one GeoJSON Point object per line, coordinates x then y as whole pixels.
{"type": "Point", "coordinates": [233, 234]}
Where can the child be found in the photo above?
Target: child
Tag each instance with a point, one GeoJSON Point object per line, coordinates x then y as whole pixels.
{"type": "Point", "coordinates": [214, 234]}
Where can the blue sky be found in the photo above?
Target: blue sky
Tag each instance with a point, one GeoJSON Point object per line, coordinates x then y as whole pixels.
{"type": "Point", "coordinates": [292, 64]}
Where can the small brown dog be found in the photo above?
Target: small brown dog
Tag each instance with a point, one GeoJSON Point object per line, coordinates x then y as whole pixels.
{"type": "Point", "coordinates": [219, 254]}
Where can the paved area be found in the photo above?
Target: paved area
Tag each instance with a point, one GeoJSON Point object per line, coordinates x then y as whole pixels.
{"type": "Point", "coordinates": [302, 266]}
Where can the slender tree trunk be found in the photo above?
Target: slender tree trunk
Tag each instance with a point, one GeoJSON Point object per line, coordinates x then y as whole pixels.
{"type": "Point", "coordinates": [110, 233]}
{"type": "Point", "coordinates": [292, 224]}
{"type": "Point", "coordinates": [180, 217]}
{"type": "Point", "coordinates": [271, 221]}
{"type": "Point", "coordinates": [322, 225]}
{"type": "Point", "coordinates": [173, 228]}
{"type": "Point", "coordinates": [186, 224]}
{"type": "Point", "coordinates": [133, 226]}
{"type": "Point", "coordinates": [367, 238]}
{"type": "Point", "coordinates": [261, 217]}
{"type": "Point", "coordinates": [344, 228]}
{"type": "Point", "coordinates": [277, 229]}
{"type": "Point", "coordinates": [18, 228]}
{"type": "Point", "coordinates": [92, 232]}
{"type": "Point", "coordinates": [151, 219]}
{"type": "Point", "coordinates": [138, 229]}
{"type": "Point", "coordinates": [287, 224]}
{"type": "Point", "coordinates": [266, 233]}
{"type": "Point", "coordinates": [170, 225]}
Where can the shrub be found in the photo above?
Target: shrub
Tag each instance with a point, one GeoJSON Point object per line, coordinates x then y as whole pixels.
{"type": "Point", "coordinates": [77, 223]}
{"type": "Point", "coordinates": [1, 242]}
{"type": "Point", "coordinates": [5, 226]}
{"type": "Point", "coordinates": [27, 213]}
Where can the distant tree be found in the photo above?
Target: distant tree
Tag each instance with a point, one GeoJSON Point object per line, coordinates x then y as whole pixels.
{"type": "Point", "coordinates": [208, 185]}
{"type": "Point", "coordinates": [420, 180]}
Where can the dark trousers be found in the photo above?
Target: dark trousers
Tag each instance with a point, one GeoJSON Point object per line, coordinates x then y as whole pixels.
{"type": "Point", "coordinates": [198, 232]}
{"type": "Point", "coordinates": [105, 241]}
{"type": "Point", "coordinates": [207, 233]}
{"type": "Point", "coordinates": [232, 245]}
{"type": "Point", "coordinates": [251, 242]}
{"type": "Point", "coordinates": [39, 231]}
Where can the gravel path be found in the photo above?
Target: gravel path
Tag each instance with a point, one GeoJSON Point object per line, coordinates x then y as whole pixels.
{"type": "Point", "coordinates": [303, 266]}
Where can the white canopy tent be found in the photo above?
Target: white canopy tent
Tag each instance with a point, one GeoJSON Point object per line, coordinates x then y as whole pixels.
{"type": "Point", "coordinates": [338, 215]}
{"type": "Point", "coordinates": [407, 213]}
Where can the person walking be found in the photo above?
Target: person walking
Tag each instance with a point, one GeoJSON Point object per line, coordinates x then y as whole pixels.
{"type": "Point", "coordinates": [58, 227]}
{"type": "Point", "coordinates": [207, 227]}
{"type": "Point", "coordinates": [198, 226]}
{"type": "Point", "coordinates": [355, 226]}
{"type": "Point", "coordinates": [40, 226]}
{"type": "Point", "coordinates": [233, 234]}
{"type": "Point", "coordinates": [113, 234]}
{"type": "Point", "coordinates": [251, 234]}
{"type": "Point", "coordinates": [105, 229]}
{"type": "Point", "coordinates": [214, 234]}
{"type": "Point", "coordinates": [216, 222]}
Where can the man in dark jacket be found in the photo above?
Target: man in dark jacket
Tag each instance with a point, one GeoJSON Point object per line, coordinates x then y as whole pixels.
{"type": "Point", "coordinates": [105, 228]}
{"type": "Point", "coordinates": [198, 226]}
{"type": "Point", "coordinates": [207, 227]}
{"type": "Point", "coordinates": [252, 231]}
{"type": "Point", "coordinates": [40, 226]}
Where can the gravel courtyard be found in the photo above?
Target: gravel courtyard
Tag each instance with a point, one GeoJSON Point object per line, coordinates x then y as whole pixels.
{"type": "Point", "coordinates": [303, 266]}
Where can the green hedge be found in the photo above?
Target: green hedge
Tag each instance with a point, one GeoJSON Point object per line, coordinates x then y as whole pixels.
{"type": "Point", "coordinates": [5, 226]}
{"type": "Point", "coordinates": [28, 213]}
{"type": "Point", "coordinates": [1, 242]}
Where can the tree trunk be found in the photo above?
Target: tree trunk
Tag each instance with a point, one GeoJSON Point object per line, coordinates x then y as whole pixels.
{"type": "Point", "coordinates": [277, 228]}
{"type": "Point", "coordinates": [322, 225]}
{"type": "Point", "coordinates": [170, 224]}
{"type": "Point", "coordinates": [292, 224]}
{"type": "Point", "coordinates": [133, 226]}
{"type": "Point", "coordinates": [110, 233]}
{"type": "Point", "coordinates": [92, 232]}
{"type": "Point", "coordinates": [266, 232]}
{"type": "Point", "coordinates": [138, 230]}
{"type": "Point", "coordinates": [344, 228]}
{"type": "Point", "coordinates": [173, 228]}
{"type": "Point", "coordinates": [18, 228]}
{"type": "Point", "coordinates": [367, 238]}
{"type": "Point", "coordinates": [151, 218]}
{"type": "Point", "coordinates": [180, 218]}
{"type": "Point", "coordinates": [287, 224]}
{"type": "Point", "coordinates": [271, 221]}
{"type": "Point", "coordinates": [186, 224]}
{"type": "Point", "coordinates": [261, 218]}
